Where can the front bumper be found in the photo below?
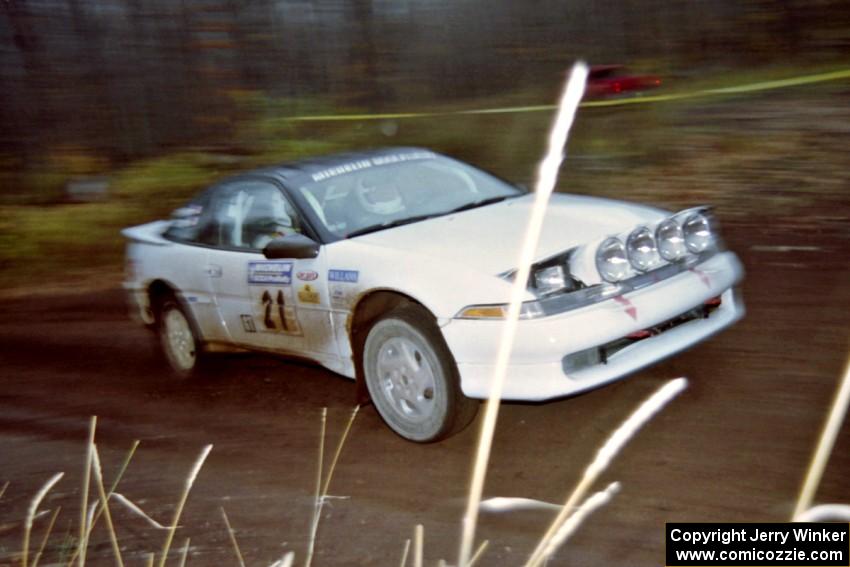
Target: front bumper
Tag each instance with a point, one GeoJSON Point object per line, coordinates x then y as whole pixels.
{"type": "Point", "coordinates": [540, 366]}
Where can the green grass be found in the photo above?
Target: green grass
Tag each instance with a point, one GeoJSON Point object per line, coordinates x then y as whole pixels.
{"type": "Point", "coordinates": [37, 242]}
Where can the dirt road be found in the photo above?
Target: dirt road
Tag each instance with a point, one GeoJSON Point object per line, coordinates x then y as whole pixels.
{"type": "Point", "coordinates": [734, 447]}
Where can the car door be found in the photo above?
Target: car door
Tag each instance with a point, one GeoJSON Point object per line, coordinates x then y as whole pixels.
{"type": "Point", "coordinates": [279, 305]}
{"type": "Point", "coordinates": [186, 265]}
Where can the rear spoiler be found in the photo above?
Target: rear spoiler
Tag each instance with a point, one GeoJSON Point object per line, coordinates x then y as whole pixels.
{"type": "Point", "coordinates": [150, 233]}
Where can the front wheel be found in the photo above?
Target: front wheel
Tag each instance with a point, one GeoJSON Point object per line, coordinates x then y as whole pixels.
{"type": "Point", "coordinates": [412, 378]}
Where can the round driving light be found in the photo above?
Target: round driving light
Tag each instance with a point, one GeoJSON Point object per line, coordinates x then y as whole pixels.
{"type": "Point", "coordinates": [641, 248]}
{"type": "Point", "coordinates": [671, 240]}
{"type": "Point", "coordinates": [611, 260]}
{"type": "Point", "coordinates": [698, 233]}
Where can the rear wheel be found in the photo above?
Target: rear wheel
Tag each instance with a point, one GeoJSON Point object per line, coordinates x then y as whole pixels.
{"type": "Point", "coordinates": [412, 377]}
{"type": "Point", "coordinates": [180, 345]}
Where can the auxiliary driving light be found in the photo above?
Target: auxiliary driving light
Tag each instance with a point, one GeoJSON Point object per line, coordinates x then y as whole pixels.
{"type": "Point", "coordinates": [642, 250]}
{"type": "Point", "coordinates": [612, 261]}
{"type": "Point", "coordinates": [698, 232]}
{"type": "Point", "coordinates": [670, 240]}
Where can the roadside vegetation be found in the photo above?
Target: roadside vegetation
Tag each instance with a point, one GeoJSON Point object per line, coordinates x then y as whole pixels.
{"type": "Point", "coordinates": [770, 152]}
{"type": "Point", "coordinates": [84, 544]}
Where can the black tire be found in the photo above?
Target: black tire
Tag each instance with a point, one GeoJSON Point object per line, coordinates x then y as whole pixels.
{"type": "Point", "coordinates": [178, 340]}
{"type": "Point", "coordinates": [412, 377]}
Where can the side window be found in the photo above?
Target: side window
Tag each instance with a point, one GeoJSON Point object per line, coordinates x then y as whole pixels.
{"type": "Point", "coordinates": [187, 221]}
{"type": "Point", "coordinates": [248, 215]}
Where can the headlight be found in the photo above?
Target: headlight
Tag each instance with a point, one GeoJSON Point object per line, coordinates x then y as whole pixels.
{"type": "Point", "coordinates": [670, 240]}
{"type": "Point", "coordinates": [611, 260]}
{"type": "Point", "coordinates": [549, 276]}
{"type": "Point", "coordinates": [642, 250]}
{"type": "Point", "coordinates": [698, 232]}
{"type": "Point", "coordinates": [549, 280]}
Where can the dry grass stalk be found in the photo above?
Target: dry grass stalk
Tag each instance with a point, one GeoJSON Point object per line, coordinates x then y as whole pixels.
{"type": "Point", "coordinates": [3, 490]}
{"type": "Point", "coordinates": [184, 554]}
{"type": "Point", "coordinates": [825, 445]}
{"type": "Point", "coordinates": [479, 552]}
{"type": "Point", "coordinates": [339, 450]}
{"type": "Point", "coordinates": [104, 503]}
{"type": "Point", "coordinates": [322, 489]}
{"type": "Point", "coordinates": [112, 489]}
{"type": "Point", "coordinates": [131, 506]}
{"type": "Point", "coordinates": [84, 525]}
{"type": "Point", "coordinates": [124, 466]}
{"type": "Point", "coordinates": [33, 508]}
{"type": "Point", "coordinates": [233, 541]}
{"type": "Point", "coordinates": [90, 516]}
{"type": "Point", "coordinates": [46, 537]}
{"type": "Point", "coordinates": [286, 561]}
{"type": "Point", "coordinates": [317, 506]}
{"type": "Point", "coordinates": [418, 542]}
{"type": "Point", "coordinates": [405, 553]}
{"type": "Point", "coordinates": [606, 453]}
{"type": "Point", "coordinates": [638, 419]}
{"type": "Point", "coordinates": [590, 505]}
{"type": "Point", "coordinates": [503, 504]}
{"type": "Point", "coordinates": [190, 480]}
{"type": "Point", "coordinates": [546, 178]}
{"type": "Point", "coordinates": [826, 513]}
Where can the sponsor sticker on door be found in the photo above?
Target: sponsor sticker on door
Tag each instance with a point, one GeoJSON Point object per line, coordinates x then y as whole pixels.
{"type": "Point", "coordinates": [265, 273]}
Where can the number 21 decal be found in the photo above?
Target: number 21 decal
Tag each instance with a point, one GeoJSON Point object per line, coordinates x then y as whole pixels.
{"type": "Point", "coordinates": [274, 311]}
{"type": "Point", "coordinates": [269, 304]}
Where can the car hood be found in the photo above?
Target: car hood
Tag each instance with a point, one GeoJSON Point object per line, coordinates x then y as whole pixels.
{"type": "Point", "coordinates": [489, 238]}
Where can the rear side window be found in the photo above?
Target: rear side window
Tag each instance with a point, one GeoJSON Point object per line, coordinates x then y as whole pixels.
{"type": "Point", "coordinates": [186, 222]}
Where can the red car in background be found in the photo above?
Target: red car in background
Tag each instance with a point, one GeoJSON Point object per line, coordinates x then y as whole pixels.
{"type": "Point", "coordinates": [610, 80]}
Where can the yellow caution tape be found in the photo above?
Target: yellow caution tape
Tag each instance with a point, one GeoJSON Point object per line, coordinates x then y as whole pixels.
{"type": "Point", "coordinates": [737, 89]}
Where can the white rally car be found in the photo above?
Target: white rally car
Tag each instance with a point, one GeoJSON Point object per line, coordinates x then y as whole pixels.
{"type": "Point", "coordinates": [393, 267]}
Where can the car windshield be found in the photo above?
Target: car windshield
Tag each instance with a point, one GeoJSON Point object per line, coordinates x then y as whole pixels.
{"type": "Point", "coordinates": [380, 193]}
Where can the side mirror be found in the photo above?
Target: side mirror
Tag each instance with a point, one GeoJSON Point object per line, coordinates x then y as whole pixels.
{"type": "Point", "coordinates": [295, 246]}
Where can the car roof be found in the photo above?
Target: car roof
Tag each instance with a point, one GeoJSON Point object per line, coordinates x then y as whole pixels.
{"type": "Point", "coordinates": [301, 172]}
{"type": "Point", "coordinates": [295, 174]}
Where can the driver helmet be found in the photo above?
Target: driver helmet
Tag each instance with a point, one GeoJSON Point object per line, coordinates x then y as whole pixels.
{"type": "Point", "coordinates": [378, 196]}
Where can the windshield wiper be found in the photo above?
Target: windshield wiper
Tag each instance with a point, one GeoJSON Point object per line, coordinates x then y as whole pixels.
{"type": "Point", "coordinates": [390, 224]}
{"type": "Point", "coordinates": [417, 218]}
{"type": "Point", "coordinates": [481, 203]}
